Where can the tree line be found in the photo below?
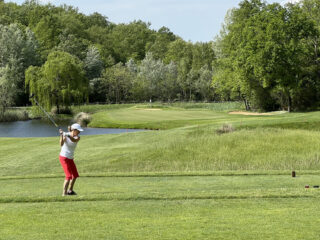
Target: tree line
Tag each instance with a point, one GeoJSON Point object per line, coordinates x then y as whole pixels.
{"type": "Point", "coordinates": [266, 55]}
{"type": "Point", "coordinates": [65, 57]}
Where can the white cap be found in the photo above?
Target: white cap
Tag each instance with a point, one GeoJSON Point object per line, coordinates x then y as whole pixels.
{"type": "Point", "coordinates": [76, 126]}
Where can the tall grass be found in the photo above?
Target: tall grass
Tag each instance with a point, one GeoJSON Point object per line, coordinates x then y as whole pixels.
{"type": "Point", "coordinates": [14, 115]}
{"type": "Point", "coordinates": [201, 149]}
{"type": "Point", "coordinates": [178, 150]}
{"type": "Point", "coordinates": [214, 106]}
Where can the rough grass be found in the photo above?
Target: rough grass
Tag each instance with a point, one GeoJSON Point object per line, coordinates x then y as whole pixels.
{"type": "Point", "coordinates": [178, 150]}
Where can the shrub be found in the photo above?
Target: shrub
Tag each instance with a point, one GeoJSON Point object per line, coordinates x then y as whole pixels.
{"type": "Point", "coordinates": [63, 110]}
{"type": "Point", "coordinates": [83, 118]}
{"type": "Point", "coordinates": [226, 128]}
{"type": "Point", "coordinates": [14, 115]}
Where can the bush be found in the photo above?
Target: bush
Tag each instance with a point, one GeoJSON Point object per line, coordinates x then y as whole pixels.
{"type": "Point", "coordinates": [14, 115]}
{"type": "Point", "coordinates": [83, 118]}
{"type": "Point", "coordinates": [226, 128]}
{"type": "Point", "coordinates": [63, 110]}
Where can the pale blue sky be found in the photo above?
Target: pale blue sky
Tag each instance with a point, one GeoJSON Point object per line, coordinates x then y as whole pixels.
{"type": "Point", "coordinates": [194, 20]}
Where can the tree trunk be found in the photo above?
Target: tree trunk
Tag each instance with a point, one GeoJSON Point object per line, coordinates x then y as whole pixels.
{"type": "Point", "coordinates": [246, 103]}
{"type": "Point", "coordinates": [3, 109]}
{"type": "Point", "coordinates": [289, 103]}
{"type": "Point", "coordinates": [58, 107]}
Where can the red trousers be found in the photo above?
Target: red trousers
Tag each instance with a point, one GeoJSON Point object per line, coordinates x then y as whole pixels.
{"type": "Point", "coordinates": [70, 169]}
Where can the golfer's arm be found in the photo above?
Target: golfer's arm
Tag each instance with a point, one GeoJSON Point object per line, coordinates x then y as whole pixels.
{"type": "Point", "coordinates": [62, 139]}
{"type": "Point", "coordinates": [74, 139]}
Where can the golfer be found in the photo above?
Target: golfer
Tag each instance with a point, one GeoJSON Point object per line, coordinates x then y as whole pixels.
{"type": "Point", "coordinates": [68, 143]}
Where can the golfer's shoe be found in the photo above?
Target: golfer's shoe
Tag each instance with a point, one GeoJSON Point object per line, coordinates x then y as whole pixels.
{"type": "Point", "coordinates": [72, 192]}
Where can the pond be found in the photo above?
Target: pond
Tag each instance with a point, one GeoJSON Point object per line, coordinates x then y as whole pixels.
{"type": "Point", "coordinates": [38, 128]}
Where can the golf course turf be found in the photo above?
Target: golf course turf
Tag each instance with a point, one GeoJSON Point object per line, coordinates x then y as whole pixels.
{"type": "Point", "coordinates": [183, 181]}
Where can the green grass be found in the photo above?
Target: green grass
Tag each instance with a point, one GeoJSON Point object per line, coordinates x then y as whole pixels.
{"type": "Point", "coordinates": [199, 207]}
{"type": "Point", "coordinates": [93, 108]}
{"type": "Point", "coordinates": [153, 187]}
{"type": "Point", "coordinates": [164, 116]}
{"type": "Point", "coordinates": [190, 219]}
{"type": "Point", "coordinates": [184, 181]}
{"type": "Point", "coordinates": [179, 150]}
{"type": "Point", "coordinates": [153, 118]}
{"type": "Point", "coordinates": [223, 106]}
{"type": "Point", "coordinates": [169, 117]}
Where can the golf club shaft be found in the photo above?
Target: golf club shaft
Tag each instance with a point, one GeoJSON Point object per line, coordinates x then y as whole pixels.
{"type": "Point", "coordinates": [46, 113]}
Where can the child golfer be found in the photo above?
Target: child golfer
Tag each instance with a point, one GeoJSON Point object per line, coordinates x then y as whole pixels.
{"type": "Point", "coordinates": [68, 143]}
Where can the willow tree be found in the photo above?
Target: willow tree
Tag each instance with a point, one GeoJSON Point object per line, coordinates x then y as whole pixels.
{"type": "Point", "coordinates": [59, 82]}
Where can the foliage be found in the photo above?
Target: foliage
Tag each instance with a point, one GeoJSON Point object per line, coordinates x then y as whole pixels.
{"type": "Point", "coordinates": [59, 82]}
{"type": "Point", "coordinates": [118, 81]}
{"type": "Point", "coordinates": [266, 55]}
{"type": "Point", "coordinates": [18, 50]}
{"type": "Point", "coordinates": [93, 63]}
{"type": "Point", "coordinates": [129, 40]}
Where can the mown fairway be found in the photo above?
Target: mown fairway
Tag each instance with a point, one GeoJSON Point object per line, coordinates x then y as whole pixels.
{"type": "Point", "coordinates": [186, 182]}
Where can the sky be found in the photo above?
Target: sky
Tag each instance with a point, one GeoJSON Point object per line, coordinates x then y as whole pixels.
{"type": "Point", "coordinates": [193, 20]}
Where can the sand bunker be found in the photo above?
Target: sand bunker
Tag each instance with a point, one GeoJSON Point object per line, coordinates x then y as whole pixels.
{"type": "Point", "coordinates": [257, 114]}
{"type": "Point", "coordinates": [150, 109]}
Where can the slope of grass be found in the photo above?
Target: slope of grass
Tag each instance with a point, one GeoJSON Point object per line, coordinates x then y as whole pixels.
{"type": "Point", "coordinates": [169, 117]}
{"type": "Point", "coordinates": [178, 150]}
{"type": "Point", "coordinates": [153, 118]}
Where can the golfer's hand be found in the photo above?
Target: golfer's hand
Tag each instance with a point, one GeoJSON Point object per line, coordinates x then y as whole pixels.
{"type": "Point", "coordinates": [60, 131]}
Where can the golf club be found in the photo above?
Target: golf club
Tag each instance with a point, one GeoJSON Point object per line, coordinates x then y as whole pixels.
{"type": "Point", "coordinates": [51, 119]}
